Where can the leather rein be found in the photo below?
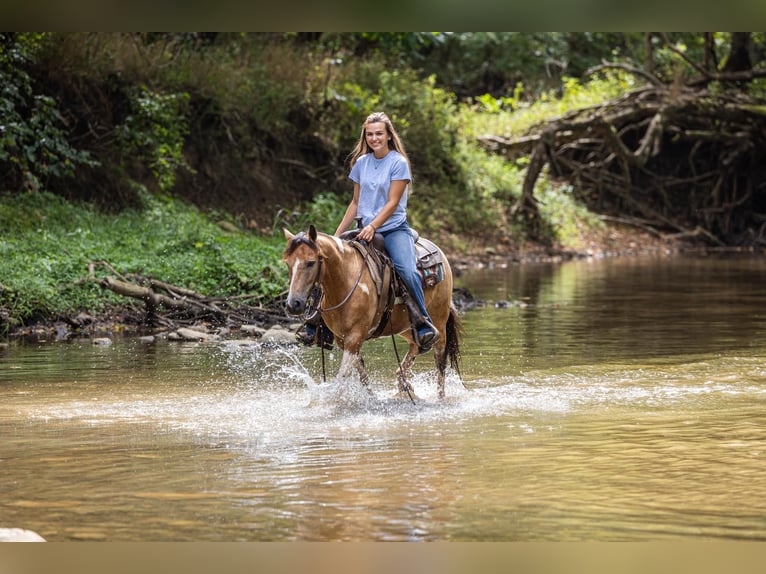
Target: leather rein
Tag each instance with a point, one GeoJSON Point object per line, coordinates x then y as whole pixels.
{"type": "Point", "coordinates": [348, 295]}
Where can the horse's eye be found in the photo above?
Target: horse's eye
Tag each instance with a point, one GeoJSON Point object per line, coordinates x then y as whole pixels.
{"type": "Point", "coordinates": [310, 263]}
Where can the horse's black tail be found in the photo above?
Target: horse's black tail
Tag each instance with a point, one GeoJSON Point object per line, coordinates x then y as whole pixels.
{"type": "Point", "coordinates": [454, 334]}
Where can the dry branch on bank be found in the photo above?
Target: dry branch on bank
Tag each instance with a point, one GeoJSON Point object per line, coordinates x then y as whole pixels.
{"type": "Point", "coordinates": [682, 161]}
{"type": "Point", "coordinates": [174, 306]}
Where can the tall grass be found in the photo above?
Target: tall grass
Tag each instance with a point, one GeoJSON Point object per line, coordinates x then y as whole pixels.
{"type": "Point", "coordinates": [255, 76]}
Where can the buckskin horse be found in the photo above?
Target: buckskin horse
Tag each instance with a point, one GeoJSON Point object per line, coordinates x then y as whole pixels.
{"type": "Point", "coordinates": [351, 308]}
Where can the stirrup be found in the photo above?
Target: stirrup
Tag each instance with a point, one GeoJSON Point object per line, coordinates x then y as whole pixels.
{"type": "Point", "coordinates": [319, 335]}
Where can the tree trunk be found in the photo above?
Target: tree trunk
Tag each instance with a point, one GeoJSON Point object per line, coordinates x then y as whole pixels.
{"type": "Point", "coordinates": [710, 61]}
{"type": "Point", "coordinates": [738, 59]}
{"type": "Point", "coordinates": [649, 53]}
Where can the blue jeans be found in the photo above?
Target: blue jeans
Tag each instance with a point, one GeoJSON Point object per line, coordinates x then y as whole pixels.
{"type": "Point", "coordinates": [401, 249]}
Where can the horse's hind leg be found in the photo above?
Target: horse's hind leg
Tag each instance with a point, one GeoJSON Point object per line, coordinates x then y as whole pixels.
{"type": "Point", "coordinates": [440, 358]}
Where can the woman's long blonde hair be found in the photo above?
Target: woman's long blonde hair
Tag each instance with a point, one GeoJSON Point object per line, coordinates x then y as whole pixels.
{"type": "Point", "coordinates": [394, 142]}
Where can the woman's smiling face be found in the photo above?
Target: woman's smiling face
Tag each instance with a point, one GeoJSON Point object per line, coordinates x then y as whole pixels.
{"type": "Point", "coordinates": [377, 137]}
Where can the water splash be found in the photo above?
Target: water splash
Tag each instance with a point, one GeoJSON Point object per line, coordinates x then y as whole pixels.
{"type": "Point", "coordinates": [267, 401]}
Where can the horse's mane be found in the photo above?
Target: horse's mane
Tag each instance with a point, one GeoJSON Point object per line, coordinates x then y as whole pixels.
{"type": "Point", "coordinates": [295, 242]}
{"type": "Point", "coordinates": [313, 239]}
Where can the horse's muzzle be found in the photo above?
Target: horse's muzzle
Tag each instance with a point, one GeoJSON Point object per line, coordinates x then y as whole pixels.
{"type": "Point", "coordinates": [295, 306]}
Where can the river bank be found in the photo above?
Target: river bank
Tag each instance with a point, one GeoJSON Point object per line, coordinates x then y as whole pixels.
{"type": "Point", "coordinates": [131, 319]}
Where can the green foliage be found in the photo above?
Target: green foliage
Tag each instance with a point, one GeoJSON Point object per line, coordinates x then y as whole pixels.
{"type": "Point", "coordinates": [325, 211]}
{"type": "Point", "coordinates": [34, 146]}
{"type": "Point", "coordinates": [155, 132]}
{"type": "Point", "coordinates": [239, 76]}
{"type": "Point", "coordinates": [471, 63]}
{"type": "Point", "coordinates": [568, 221]}
{"type": "Point", "coordinates": [474, 63]}
{"type": "Point", "coordinates": [492, 105]}
{"type": "Point", "coordinates": [48, 243]}
{"type": "Point", "coordinates": [259, 77]}
{"type": "Point", "coordinates": [154, 94]}
{"type": "Point", "coordinates": [757, 88]}
{"type": "Point", "coordinates": [395, 47]}
{"type": "Point", "coordinates": [481, 119]}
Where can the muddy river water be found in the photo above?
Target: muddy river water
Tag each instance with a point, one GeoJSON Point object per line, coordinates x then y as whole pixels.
{"type": "Point", "coordinates": [617, 399]}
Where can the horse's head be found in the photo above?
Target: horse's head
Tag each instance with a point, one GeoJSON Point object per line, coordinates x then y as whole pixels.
{"type": "Point", "coordinates": [303, 263]}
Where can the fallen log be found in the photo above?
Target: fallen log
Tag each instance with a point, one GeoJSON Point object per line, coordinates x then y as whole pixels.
{"type": "Point", "coordinates": [150, 297]}
{"type": "Point", "coordinates": [173, 306]}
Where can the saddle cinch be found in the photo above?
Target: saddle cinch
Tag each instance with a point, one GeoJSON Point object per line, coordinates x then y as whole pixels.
{"type": "Point", "coordinates": [390, 289]}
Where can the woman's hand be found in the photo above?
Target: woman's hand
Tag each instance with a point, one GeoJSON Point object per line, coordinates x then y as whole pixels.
{"type": "Point", "coordinates": [367, 233]}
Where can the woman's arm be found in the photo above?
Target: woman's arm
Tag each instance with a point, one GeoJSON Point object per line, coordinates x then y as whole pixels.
{"type": "Point", "coordinates": [351, 212]}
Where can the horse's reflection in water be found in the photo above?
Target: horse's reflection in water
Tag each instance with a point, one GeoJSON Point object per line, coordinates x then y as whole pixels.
{"type": "Point", "coordinates": [349, 305]}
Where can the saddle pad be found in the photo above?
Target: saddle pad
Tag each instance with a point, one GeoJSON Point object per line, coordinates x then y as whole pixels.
{"type": "Point", "coordinates": [427, 253]}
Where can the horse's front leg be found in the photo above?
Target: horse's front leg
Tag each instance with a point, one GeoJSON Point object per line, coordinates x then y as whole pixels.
{"type": "Point", "coordinates": [362, 370]}
{"type": "Point", "coordinates": [353, 360]}
{"type": "Point", "coordinates": [405, 369]}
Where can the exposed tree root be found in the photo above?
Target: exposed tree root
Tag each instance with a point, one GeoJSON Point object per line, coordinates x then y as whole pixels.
{"type": "Point", "coordinates": [681, 160]}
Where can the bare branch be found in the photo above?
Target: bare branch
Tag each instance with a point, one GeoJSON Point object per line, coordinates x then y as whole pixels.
{"type": "Point", "coordinates": [683, 56]}
{"type": "Point", "coordinates": [651, 78]}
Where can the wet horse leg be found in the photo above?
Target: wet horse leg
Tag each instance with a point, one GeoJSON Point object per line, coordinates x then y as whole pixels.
{"type": "Point", "coordinates": [362, 370]}
{"type": "Point", "coordinates": [440, 360]}
{"type": "Point", "coordinates": [351, 360]}
{"type": "Point", "coordinates": [404, 371]}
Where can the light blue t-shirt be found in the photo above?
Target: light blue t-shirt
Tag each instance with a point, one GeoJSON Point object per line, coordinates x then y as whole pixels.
{"type": "Point", "coordinates": [374, 177]}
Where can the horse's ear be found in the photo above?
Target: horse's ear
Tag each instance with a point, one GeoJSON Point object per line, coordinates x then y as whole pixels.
{"type": "Point", "coordinates": [312, 233]}
{"type": "Point", "coordinates": [289, 236]}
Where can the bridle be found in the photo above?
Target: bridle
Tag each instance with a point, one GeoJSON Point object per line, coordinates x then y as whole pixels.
{"type": "Point", "coordinates": [348, 295]}
{"type": "Point", "coordinates": [316, 283]}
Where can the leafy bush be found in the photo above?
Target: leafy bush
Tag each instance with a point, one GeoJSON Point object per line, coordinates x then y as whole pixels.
{"type": "Point", "coordinates": [514, 121]}
{"type": "Point", "coordinates": [34, 145]}
{"type": "Point", "coordinates": [569, 222]}
{"type": "Point", "coordinates": [155, 131]}
{"type": "Point", "coordinates": [324, 211]}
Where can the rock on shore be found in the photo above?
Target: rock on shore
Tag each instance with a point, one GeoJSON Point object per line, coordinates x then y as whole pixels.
{"type": "Point", "coordinates": [19, 535]}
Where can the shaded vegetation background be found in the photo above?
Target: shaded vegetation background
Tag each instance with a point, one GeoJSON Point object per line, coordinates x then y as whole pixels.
{"type": "Point", "coordinates": [181, 155]}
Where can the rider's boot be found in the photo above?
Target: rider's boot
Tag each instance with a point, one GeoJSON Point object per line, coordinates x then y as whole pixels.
{"type": "Point", "coordinates": [423, 330]}
{"type": "Point", "coordinates": [315, 332]}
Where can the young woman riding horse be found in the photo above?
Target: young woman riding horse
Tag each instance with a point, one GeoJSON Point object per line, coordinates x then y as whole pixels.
{"type": "Point", "coordinates": [380, 170]}
{"type": "Point", "coordinates": [349, 304]}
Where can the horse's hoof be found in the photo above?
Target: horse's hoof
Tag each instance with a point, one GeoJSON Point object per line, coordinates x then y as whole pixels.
{"type": "Point", "coordinates": [404, 395]}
